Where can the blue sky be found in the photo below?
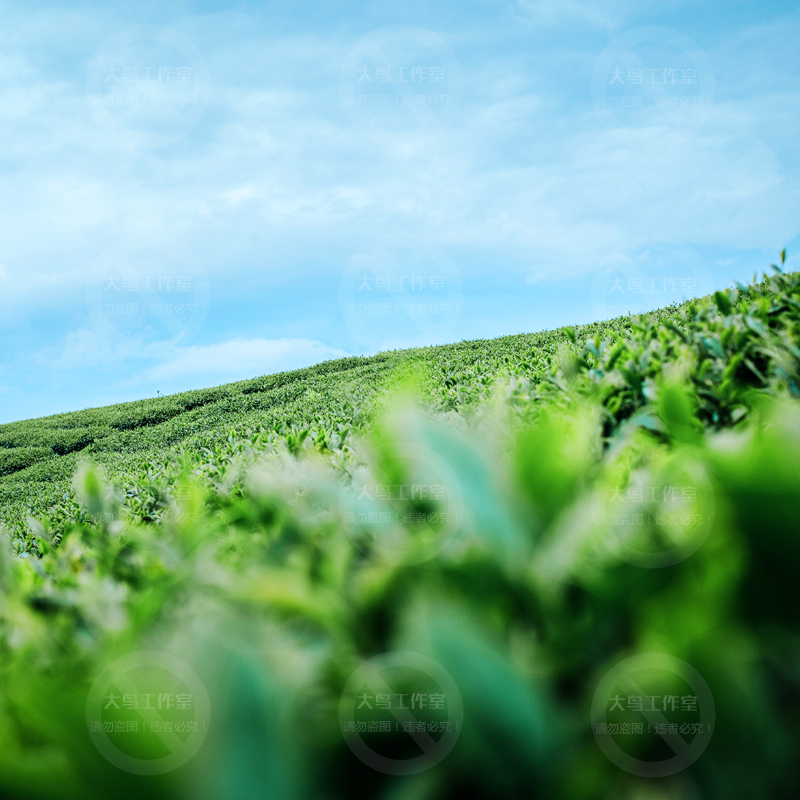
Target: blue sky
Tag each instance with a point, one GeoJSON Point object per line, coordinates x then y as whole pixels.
{"type": "Point", "coordinates": [195, 193]}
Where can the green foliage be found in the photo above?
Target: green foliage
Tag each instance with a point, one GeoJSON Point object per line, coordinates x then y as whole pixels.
{"type": "Point", "coordinates": [213, 526]}
{"type": "Point", "coordinates": [19, 458]}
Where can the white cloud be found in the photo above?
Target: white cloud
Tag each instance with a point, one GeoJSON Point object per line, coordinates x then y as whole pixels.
{"type": "Point", "coordinates": [236, 196]}
{"type": "Point", "coordinates": [231, 360]}
{"type": "Point", "coordinates": [238, 359]}
{"type": "Point", "coordinates": [87, 347]}
{"type": "Point", "coordinates": [552, 13]}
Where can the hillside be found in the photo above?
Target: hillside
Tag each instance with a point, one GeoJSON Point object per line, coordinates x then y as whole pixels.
{"type": "Point", "coordinates": [38, 457]}
{"type": "Point", "coordinates": [527, 528]}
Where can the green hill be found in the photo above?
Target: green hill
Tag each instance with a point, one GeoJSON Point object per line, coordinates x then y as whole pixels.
{"type": "Point", "coordinates": [573, 553]}
{"type": "Point", "coordinates": [38, 457]}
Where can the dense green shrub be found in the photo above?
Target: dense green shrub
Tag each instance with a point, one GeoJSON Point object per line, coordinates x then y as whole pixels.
{"type": "Point", "coordinates": [15, 459]}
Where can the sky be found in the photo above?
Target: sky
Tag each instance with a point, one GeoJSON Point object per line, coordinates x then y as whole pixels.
{"type": "Point", "coordinates": [201, 192]}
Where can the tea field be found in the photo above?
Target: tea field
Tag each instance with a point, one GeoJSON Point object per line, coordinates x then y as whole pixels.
{"type": "Point", "coordinates": [561, 564]}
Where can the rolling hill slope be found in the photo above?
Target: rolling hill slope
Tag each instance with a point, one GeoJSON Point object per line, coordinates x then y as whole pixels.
{"type": "Point", "coordinates": [38, 457]}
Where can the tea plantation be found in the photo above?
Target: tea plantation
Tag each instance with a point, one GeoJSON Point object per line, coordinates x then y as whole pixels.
{"type": "Point", "coordinates": [557, 565]}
